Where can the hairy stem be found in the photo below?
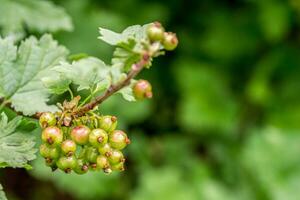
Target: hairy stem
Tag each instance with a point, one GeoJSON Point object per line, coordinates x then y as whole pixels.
{"type": "Point", "coordinates": [136, 68]}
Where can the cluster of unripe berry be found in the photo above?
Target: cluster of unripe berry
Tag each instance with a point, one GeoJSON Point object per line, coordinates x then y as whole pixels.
{"type": "Point", "coordinates": [156, 33]}
{"type": "Point", "coordinates": [90, 142]}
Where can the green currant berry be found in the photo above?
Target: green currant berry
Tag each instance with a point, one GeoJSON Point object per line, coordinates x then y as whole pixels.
{"type": "Point", "coordinates": [102, 162]}
{"type": "Point", "coordinates": [98, 137]}
{"type": "Point", "coordinates": [68, 147]}
{"type": "Point", "coordinates": [81, 167]}
{"type": "Point", "coordinates": [170, 41]}
{"type": "Point", "coordinates": [92, 154]}
{"type": "Point", "coordinates": [108, 123]}
{"type": "Point", "coordinates": [52, 135]}
{"type": "Point", "coordinates": [118, 167]}
{"type": "Point", "coordinates": [105, 149]}
{"type": "Point", "coordinates": [80, 134]}
{"type": "Point", "coordinates": [155, 31]}
{"type": "Point", "coordinates": [142, 89]}
{"type": "Point", "coordinates": [49, 152]}
{"type": "Point", "coordinates": [44, 150]}
{"type": "Point", "coordinates": [118, 139]}
{"type": "Point", "coordinates": [66, 163]}
{"type": "Point", "coordinates": [47, 119]}
{"type": "Point", "coordinates": [115, 157]}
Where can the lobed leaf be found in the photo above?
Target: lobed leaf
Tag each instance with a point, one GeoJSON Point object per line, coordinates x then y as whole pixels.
{"type": "Point", "coordinates": [21, 70]}
{"type": "Point", "coordinates": [137, 32]}
{"type": "Point", "coordinates": [39, 16]}
{"type": "Point", "coordinates": [87, 73]}
{"type": "Point", "coordinates": [16, 145]}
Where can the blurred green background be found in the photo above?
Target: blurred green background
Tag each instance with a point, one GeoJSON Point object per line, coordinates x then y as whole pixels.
{"type": "Point", "coordinates": [224, 123]}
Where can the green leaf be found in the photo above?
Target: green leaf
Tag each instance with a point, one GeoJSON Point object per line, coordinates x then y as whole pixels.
{"type": "Point", "coordinates": [126, 54]}
{"type": "Point", "coordinates": [56, 83]}
{"type": "Point", "coordinates": [2, 194]}
{"type": "Point", "coordinates": [127, 93]}
{"type": "Point", "coordinates": [134, 32]}
{"type": "Point", "coordinates": [128, 43]}
{"type": "Point", "coordinates": [16, 145]}
{"type": "Point", "coordinates": [21, 70]}
{"type": "Point", "coordinates": [39, 16]}
{"type": "Point", "coordinates": [87, 73]}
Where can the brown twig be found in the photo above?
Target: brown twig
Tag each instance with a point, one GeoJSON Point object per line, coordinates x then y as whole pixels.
{"type": "Point", "coordinates": [136, 68]}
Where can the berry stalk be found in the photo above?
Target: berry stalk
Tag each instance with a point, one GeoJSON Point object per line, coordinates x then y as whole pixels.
{"type": "Point", "coordinates": [135, 70]}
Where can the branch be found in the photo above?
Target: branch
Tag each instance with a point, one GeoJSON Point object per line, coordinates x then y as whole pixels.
{"type": "Point", "coordinates": [135, 70]}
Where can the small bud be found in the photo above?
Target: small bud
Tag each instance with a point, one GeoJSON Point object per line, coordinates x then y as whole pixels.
{"type": "Point", "coordinates": [142, 89]}
{"type": "Point", "coordinates": [155, 31]}
{"type": "Point", "coordinates": [47, 119]}
{"type": "Point", "coordinates": [170, 41]}
{"type": "Point", "coordinates": [67, 120]}
{"type": "Point", "coordinates": [72, 104]}
{"type": "Point", "coordinates": [52, 135]}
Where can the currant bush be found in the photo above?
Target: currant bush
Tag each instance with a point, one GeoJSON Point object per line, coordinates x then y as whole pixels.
{"type": "Point", "coordinates": [77, 138]}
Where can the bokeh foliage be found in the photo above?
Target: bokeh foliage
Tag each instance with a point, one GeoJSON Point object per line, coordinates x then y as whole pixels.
{"type": "Point", "coordinates": [224, 122]}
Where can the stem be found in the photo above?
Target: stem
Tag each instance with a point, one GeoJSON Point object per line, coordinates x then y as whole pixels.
{"type": "Point", "coordinates": [71, 93]}
{"type": "Point", "coordinates": [2, 105]}
{"type": "Point", "coordinates": [88, 97]}
{"type": "Point", "coordinates": [136, 68]}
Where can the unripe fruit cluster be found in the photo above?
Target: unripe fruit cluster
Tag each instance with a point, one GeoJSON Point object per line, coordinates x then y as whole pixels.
{"type": "Point", "coordinates": [91, 142]}
{"type": "Point", "coordinates": [156, 33]}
